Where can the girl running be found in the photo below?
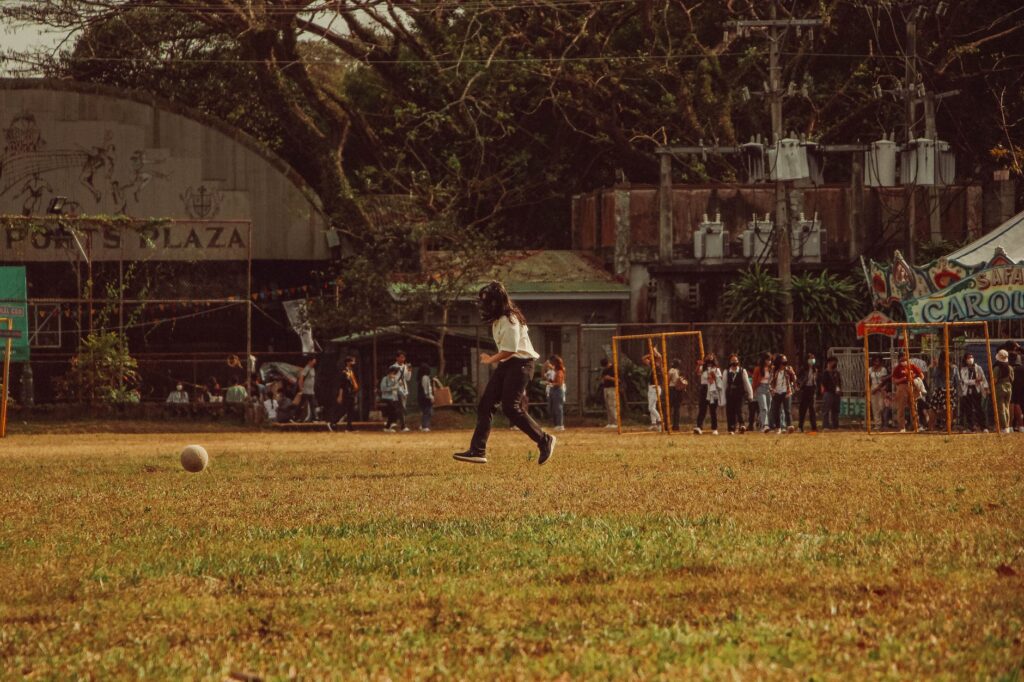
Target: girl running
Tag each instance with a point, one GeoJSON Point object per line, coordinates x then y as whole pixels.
{"type": "Point", "coordinates": [515, 365]}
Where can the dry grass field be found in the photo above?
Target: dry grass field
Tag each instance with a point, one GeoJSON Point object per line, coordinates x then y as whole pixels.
{"type": "Point", "coordinates": [376, 556]}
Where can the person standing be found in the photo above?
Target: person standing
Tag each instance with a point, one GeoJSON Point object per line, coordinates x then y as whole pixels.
{"type": "Point", "coordinates": [738, 392]}
{"type": "Point", "coordinates": [654, 389]}
{"type": "Point", "coordinates": [307, 387]}
{"type": "Point", "coordinates": [425, 397]}
{"type": "Point", "coordinates": [1003, 390]}
{"type": "Point", "coordinates": [782, 382]}
{"type": "Point", "coordinates": [676, 385]}
{"type": "Point", "coordinates": [809, 381]}
{"type": "Point", "coordinates": [878, 377]}
{"type": "Point", "coordinates": [608, 392]}
{"type": "Point", "coordinates": [762, 389]}
{"type": "Point", "coordinates": [1018, 391]}
{"type": "Point", "coordinates": [348, 391]}
{"type": "Point", "coordinates": [390, 388]}
{"type": "Point", "coordinates": [405, 378]}
{"type": "Point", "coordinates": [515, 362]}
{"type": "Point", "coordinates": [831, 393]}
{"type": "Point", "coordinates": [556, 395]}
{"type": "Point", "coordinates": [903, 375]}
{"type": "Point", "coordinates": [973, 386]}
{"type": "Point", "coordinates": [712, 393]}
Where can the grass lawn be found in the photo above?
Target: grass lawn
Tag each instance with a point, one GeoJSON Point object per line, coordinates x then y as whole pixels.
{"type": "Point", "coordinates": [374, 555]}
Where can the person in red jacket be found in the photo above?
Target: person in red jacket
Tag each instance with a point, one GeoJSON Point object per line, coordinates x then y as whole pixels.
{"type": "Point", "coordinates": [903, 375]}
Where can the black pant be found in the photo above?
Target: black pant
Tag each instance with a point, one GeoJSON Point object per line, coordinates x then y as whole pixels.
{"type": "Point", "coordinates": [507, 388]}
{"type": "Point", "coordinates": [752, 414]}
{"type": "Point", "coordinates": [390, 410]}
{"type": "Point", "coordinates": [734, 411]}
{"type": "Point", "coordinates": [675, 403]}
{"type": "Point", "coordinates": [807, 403]}
{"type": "Point", "coordinates": [346, 409]}
{"type": "Point", "coordinates": [970, 409]}
{"type": "Point", "coordinates": [703, 410]}
{"type": "Point", "coordinates": [776, 410]}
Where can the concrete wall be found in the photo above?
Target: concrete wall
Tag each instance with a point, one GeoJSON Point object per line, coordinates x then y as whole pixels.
{"type": "Point", "coordinates": [124, 154]}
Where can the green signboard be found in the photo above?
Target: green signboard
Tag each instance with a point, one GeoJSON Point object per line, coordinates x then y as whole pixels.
{"type": "Point", "coordinates": [14, 304]}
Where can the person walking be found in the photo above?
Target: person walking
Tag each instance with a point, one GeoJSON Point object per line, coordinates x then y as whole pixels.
{"type": "Point", "coordinates": [425, 397]}
{"type": "Point", "coordinates": [390, 388]}
{"type": "Point", "coordinates": [654, 389]}
{"type": "Point", "coordinates": [712, 392]}
{"type": "Point", "coordinates": [348, 391]}
{"type": "Point", "coordinates": [831, 393]}
{"type": "Point", "coordinates": [1003, 389]}
{"type": "Point", "coordinates": [515, 362]}
{"type": "Point", "coordinates": [738, 392]}
{"type": "Point", "coordinates": [608, 392]}
{"type": "Point", "coordinates": [782, 382]}
{"type": "Point", "coordinates": [307, 387]}
{"type": "Point", "coordinates": [762, 389]}
{"type": "Point", "coordinates": [676, 385]}
{"type": "Point", "coordinates": [556, 396]}
{"type": "Point", "coordinates": [903, 375]}
{"type": "Point", "coordinates": [973, 386]}
{"type": "Point", "coordinates": [808, 382]}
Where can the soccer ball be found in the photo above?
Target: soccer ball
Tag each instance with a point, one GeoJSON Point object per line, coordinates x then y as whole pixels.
{"type": "Point", "coordinates": [194, 458]}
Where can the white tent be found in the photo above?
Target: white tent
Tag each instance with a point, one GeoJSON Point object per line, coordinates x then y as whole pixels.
{"type": "Point", "coordinates": [1009, 235]}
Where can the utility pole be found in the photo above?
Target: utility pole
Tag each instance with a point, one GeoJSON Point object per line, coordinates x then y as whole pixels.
{"type": "Point", "coordinates": [777, 31]}
{"type": "Point", "coordinates": [910, 103]}
{"type": "Point", "coordinates": [783, 250]}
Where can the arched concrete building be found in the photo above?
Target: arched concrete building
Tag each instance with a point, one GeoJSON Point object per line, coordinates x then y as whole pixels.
{"type": "Point", "coordinates": [243, 225]}
{"type": "Point", "coordinates": [123, 153]}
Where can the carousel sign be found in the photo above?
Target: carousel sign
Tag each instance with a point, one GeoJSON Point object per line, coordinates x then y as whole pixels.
{"type": "Point", "coordinates": [996, 293]}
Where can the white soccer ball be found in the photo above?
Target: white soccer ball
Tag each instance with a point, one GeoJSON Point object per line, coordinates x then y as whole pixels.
{"type": "Point", "coordinates": [194, 458]}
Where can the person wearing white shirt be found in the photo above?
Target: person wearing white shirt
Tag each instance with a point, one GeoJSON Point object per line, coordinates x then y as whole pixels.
{"type": "Point", "coordinates": [515, 361]}
{"type": "Point", "coordinates": [878, 375]}
{"type": "Point", "coordinates": [712, 393]}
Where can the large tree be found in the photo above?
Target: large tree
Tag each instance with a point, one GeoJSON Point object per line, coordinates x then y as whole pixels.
{"type": "Point", "coordinates": [497, 111]}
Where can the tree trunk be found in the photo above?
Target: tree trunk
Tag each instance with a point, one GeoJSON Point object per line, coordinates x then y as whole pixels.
{"type": "Point", "coordinates": [441, 336]}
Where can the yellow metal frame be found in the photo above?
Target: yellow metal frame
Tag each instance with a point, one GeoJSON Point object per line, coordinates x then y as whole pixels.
{"type": "Point", "coordinates": [8, 344]}
{"type": "Point", "coordinates": [666, 422]}
{"type": "Point", "coordinates": [945, 326]}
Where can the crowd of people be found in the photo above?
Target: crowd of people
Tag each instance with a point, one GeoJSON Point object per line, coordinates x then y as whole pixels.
{"type": "Point", "coordinates": [906, 394]}
{"type": "Point", "coordinates": [909, 394]}
{"type": "Point", "coordinates": [767, 393]}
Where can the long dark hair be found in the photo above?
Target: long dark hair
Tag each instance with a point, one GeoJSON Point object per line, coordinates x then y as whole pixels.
{"type": "Point", "coordinates": [495, 303]}
{"type": "Point", "coordinates": [557, 362]}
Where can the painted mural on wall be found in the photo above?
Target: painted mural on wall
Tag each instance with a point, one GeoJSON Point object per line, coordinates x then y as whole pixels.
{"type": "Point", "coordinates": [106, 179]}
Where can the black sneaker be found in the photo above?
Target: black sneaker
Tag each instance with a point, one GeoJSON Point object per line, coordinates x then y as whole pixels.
{"type": "Point", "coordinates": [471, 456]}
{"type": "Point", "coordinates": [547, 448]}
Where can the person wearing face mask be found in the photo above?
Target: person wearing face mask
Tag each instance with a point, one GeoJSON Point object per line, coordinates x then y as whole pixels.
{"type": "Point", "coordinates": [808, 381]}
{"type": "Point", "coordinates": [783, 381]}
{"type": "Point", "coordinates": [177, 401]}
{"type": "Point", "coordinates": [711, 393]}
{"type": "Point", "coordinates": [738, 391]}
{"type": "Point", "coordinates": [973, 386]}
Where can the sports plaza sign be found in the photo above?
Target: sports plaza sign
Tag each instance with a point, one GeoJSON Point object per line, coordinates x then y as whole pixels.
{"type": "Point", "coordinates": [996, 293]}
{"type": "Point", "coordinates": [185, 241]}
{"type": "Point", "coordinates": [14, 306]}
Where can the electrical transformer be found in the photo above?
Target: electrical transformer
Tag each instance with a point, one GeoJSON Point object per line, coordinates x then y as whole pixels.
{"type": "Point", "coordinates": [787, 160]}
{"type": "Point", "coordinates": [709, 239]}
{"type": "Point", "coordinates": [806, 239]}
{"type": "Point", "coordinates": [880, 164]}
{"type": "Point", "coordinates": [927, 163]}
{"type": "Point", "coordinates": [758, 239]}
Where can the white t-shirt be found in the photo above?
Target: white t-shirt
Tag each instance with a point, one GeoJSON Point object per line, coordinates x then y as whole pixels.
{"type": "Point", "coordinates": [513, 337]}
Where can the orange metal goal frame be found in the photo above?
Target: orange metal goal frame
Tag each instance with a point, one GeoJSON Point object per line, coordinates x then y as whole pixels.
{"type": "Point", "coordinates": [945, 327]}
{"type": "Point", "coordinates": [666, 426]}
